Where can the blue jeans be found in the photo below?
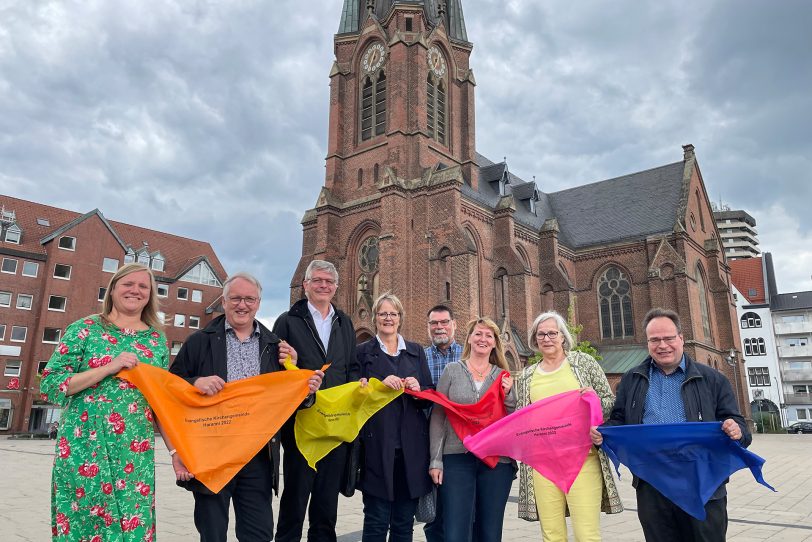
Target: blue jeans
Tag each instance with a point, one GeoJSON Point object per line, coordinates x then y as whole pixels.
{"type": "Point", "coordinates": [474, 498]}
{"type": "Point", "coordinates": [394, 517]}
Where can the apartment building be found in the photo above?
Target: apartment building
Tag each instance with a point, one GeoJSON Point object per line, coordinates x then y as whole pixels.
{"type": "Point", "coordinates": [737, 230]}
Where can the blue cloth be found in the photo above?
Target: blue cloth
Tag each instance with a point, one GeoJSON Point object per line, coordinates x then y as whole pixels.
{"type": "Point", "coordinates": [438, 359]}
{"type": "Point", "coordinates": [686, 462]}
{"type": "Point", "coordinates": [664, 402]}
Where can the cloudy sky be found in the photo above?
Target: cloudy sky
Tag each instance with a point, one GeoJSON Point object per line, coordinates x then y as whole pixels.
{"type": "Point", "coordinates": [208, 119]}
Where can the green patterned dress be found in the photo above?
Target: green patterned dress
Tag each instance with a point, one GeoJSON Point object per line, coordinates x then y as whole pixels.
{"type": "Point", "coordinates": [103, 486]}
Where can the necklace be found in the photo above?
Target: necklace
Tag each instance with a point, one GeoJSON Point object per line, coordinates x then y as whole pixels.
{"type": "Point", "coordinates": [481, 374]}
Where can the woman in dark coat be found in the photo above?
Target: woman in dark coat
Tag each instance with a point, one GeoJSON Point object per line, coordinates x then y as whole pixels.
{"type": "Point", "coordinates": [396, 438]}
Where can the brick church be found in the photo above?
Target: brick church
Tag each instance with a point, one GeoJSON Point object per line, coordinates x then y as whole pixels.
{"type": "Point", "coordinates": [409, 206]}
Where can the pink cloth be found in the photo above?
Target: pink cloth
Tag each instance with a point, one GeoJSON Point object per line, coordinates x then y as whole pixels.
{"type": "Point", "coordinates": [551, 435]}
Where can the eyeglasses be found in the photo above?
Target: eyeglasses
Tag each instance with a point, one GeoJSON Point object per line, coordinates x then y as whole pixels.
{"type": "Point", "coordinates": [654, 341]}
{"type": "Point", "coordinates": [439, 322]}
{"type": "Point", "coordinates": [319, 282]}
{"type": "Point", "coordinates": [552, 335]}
{"type": "Point", "coordinates": [249, 301]}
{"type": "Point", "coordinates": [390, 315]}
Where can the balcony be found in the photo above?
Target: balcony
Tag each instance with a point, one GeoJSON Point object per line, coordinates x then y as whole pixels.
{"type": "Point", "coordinates": [796, 375]}
{"type": "Point", "coordinates": [798, 399]}
{"type": "Point", "coordinates": [793, 328]}
{"type": "Point", "coordinates": [795, 351]}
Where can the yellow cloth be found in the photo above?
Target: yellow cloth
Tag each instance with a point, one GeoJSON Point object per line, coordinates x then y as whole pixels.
{"type": "Point", "coordinates": [337, 416]}
{"type": "Point", "coordinates": [584, 497]}
{"type": "Point", "coordinates": [217, 435]}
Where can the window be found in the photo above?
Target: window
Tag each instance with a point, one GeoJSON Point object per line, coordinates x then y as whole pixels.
{"type": "Point", "coordinates": [801, 389]}
{"type": "Point", "coordinates": [750, 319]}
{"type": "Point", "coordinates": [30, 269]}
{"type": "Point", "coordinates": [373, 106]}
{"type": "Point", "coordinates": [43, 222]}
{"type": "Point", "coordinates": [57, 303]}
{"type": "Point", "coordinates": [162, 317]}
{"type": "Point", "coordinates": [41, 367]}
{"type": "Point", "coordinates": [2, 331]}
{"type": "Point", "coordinates": [110, 265]}
{"type": "Point", "coordinates": [180, 320]}
{"type": "Point", "coordinates": [176, 347]}
{"type": "Point", "coordinates": [751, 292]}
{"type": "Point", "coordinates": [62, 271]}
{"type": "Point", "coordinates": [759, 376]}
{"type": "Point", "coordinates": [163, 290]}
{"type": "Point", "coordinates": [183, 293]}
{"type": "Point", "coordinates": [197, 296]}
{"type": "Point", "coordinates": [157, 263]}
{"type": "Point", "coordinates": [129, 257]}
{"type": "Point", "coordinates": [703, 302]}
{"type": "Point", "coordinates": [793, 365]}
{"type": "Point", "coordinates": [9, 266]}
{"type": "Point", "coordinates": [755, 347]}
{"type": "Point", "coordinates": [796, 341]}
{"type": "Point", "coordinates": [802, 413]}
{"type": "Point", "coordinates": [12, 368]}
{"type": "Point", "coordinates": [13, 234]}
{"type": "Point", "coordinates": [51, 335]}
{"type": "Point", "coordinates": [6, 413]}
{"type": "Point", "coordinates": [194, 322]}
{"type": "Point", "coordinates": [436, 108]}
{"type": "Point", "coordinates": [102, 292]}
{"type": "Point", "coordinates": [5, 299]}
{"type": "Point", "coordinates": [67, 243]}
{"type": "Point", "coordinates": [762, 347]}
{"type": "Point", "coordinates": [201, 274]}
{"type": "Point", "coordinates": [793, 319]}
{"type": "Point", "coordinates": [25, 301]}
{"type": "Point", "coordinates": [615, 301]}
{"type": "Point", "coordinates": [18, 334]}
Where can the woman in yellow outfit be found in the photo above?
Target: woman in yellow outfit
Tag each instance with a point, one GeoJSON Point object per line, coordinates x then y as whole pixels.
{"type": "Point", "coordinates": [561, 369]}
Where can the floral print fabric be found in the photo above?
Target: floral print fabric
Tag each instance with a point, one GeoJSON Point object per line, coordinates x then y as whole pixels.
{"type": "Point", "coordinates": [103, 482]}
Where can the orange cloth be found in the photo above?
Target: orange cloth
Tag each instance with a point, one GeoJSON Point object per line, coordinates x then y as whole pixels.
{"type": "Point", "coordinates": [216, 435]}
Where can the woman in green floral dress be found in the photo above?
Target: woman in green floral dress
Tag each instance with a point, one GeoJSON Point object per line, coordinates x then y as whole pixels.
{"type": "Point", "coordinates": [103, 486]}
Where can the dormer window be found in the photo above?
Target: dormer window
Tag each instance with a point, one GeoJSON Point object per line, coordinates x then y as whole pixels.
{"type": "Point", "coordinates": [157, 262]}
{"type": "Point", "coordinates": [13, 234]}
{"type": "Point", "coordinates": [129, 257]}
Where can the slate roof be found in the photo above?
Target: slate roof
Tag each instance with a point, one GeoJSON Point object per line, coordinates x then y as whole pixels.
{"type": "Point", "coordinates": [629, 207]}
{"type": "Point", "coordinates": [179, 253]}
{"type": "Point", "coordinates": [354, 14]}
{"type": "Point", "coordinates": [793, 301]}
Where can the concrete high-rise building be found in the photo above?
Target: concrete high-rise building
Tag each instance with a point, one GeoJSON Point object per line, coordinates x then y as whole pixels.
{"type": "Point", "coordinates": [737, 230]}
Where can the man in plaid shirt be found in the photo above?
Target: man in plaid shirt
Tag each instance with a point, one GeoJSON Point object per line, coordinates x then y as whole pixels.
{"type": "Point", "coordinates": [442, 351]}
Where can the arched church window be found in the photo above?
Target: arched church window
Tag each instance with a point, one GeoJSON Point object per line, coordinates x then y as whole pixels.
{"type": "Point", "coordinates": [615, 301]}
{"type": "Point", "coordinates": [436, 96]}
{"type": "Point", "coordinates": [368, 254]}
{"type": "Point", "coordinates": [501, 291]}
{"type": "Point", "coordinates": [373, 105]}
{"type": "Point", "coordinates": [703, 302]}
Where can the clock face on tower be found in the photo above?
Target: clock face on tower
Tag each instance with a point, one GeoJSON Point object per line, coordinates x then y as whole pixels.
{"type": "Point", "coordinates": [373, 58]}
{"type": "Point", "coordinates": [436, 61]}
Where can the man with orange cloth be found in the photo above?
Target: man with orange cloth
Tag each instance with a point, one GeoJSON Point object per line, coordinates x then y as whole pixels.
{"type": "Point", "coordinates": [233, 347]}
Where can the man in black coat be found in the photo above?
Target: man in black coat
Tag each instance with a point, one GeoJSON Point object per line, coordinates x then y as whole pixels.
{"type": "Point", "coordinates": [321, 334]}
{"type": "Point", "coordinates": [670, 387]}
{"type": "Point", "coordinates": [232, 347]}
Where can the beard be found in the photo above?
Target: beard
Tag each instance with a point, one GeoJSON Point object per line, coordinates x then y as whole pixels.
{"type": "Point", "coordinates": [440, 340]}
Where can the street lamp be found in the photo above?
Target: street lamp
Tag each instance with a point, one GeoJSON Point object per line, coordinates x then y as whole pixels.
{"type": "Point", "coordinates": [731, 359]}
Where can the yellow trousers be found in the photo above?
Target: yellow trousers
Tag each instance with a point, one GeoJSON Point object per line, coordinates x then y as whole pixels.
{"type": "Point", "coordinates": [583, 500]}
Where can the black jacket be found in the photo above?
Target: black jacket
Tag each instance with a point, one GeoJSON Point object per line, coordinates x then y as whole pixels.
{"type": "Point", "coordinates": [706, 394]}
{"type": "Point", "coordinates": [296, 326]}
{"type": "Point", "coordinates": [404, 415]}
{"type": "Point", "coordinates": [204, 354]}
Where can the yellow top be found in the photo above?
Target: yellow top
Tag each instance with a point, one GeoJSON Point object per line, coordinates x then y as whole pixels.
{"type": "Point", "coordinates": [543, 384]}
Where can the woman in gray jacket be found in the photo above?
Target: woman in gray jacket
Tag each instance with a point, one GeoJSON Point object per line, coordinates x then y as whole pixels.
{"type": "Point", "coordinates": [473, 495]}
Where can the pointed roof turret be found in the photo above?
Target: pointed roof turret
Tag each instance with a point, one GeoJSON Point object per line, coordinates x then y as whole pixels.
{"type": "Point", "coordinates": [356, 12]}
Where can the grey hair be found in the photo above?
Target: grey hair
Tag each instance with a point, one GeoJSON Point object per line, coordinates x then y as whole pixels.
{"type": "Point", "coordinates": [562, 328]}
{"type": "Point", "coordinates": [245, 276]}
{"type": "Point", "coordinates": [393, 299]}
{"type": "Point", "coordinates": [321, 265]}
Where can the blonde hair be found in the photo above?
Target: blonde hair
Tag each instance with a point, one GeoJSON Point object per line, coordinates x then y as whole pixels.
{"type": "Point", "coordinates": [497, 356]}
{"type": "Point", "coordinates": [149, 314]}
{"type": "Point", "coordinates": [393, 299]}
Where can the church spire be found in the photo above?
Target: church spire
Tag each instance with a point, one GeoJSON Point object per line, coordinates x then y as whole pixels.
{"type": "Point", "coordinates": [356, 12]}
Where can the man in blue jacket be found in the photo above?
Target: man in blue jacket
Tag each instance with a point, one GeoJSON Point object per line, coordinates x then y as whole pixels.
{"type": "Point", "coordinates": [670, 387]}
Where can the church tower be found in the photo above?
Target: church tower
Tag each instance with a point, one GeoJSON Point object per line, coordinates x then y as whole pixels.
{"type": "Point", "coordinates": [400, 144]}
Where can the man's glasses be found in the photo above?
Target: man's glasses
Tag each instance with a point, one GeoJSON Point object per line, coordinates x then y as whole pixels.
{"type": "Point", "coordinates": [319, 282]}
{"type": "Point", "coordinates": [439, 322]}
{"type": "Point", "coordinates": [390, 315]}
{"type": "Point", "coordinates": [552, 335]}
{"type": "Point", "coordinates": [236, 300]}
{"type": "Point", "coordinates": [654, 341]}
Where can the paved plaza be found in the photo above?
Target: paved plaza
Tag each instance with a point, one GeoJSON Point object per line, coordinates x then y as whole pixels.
{"type": "Point", "coordinates": [755, 512]}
